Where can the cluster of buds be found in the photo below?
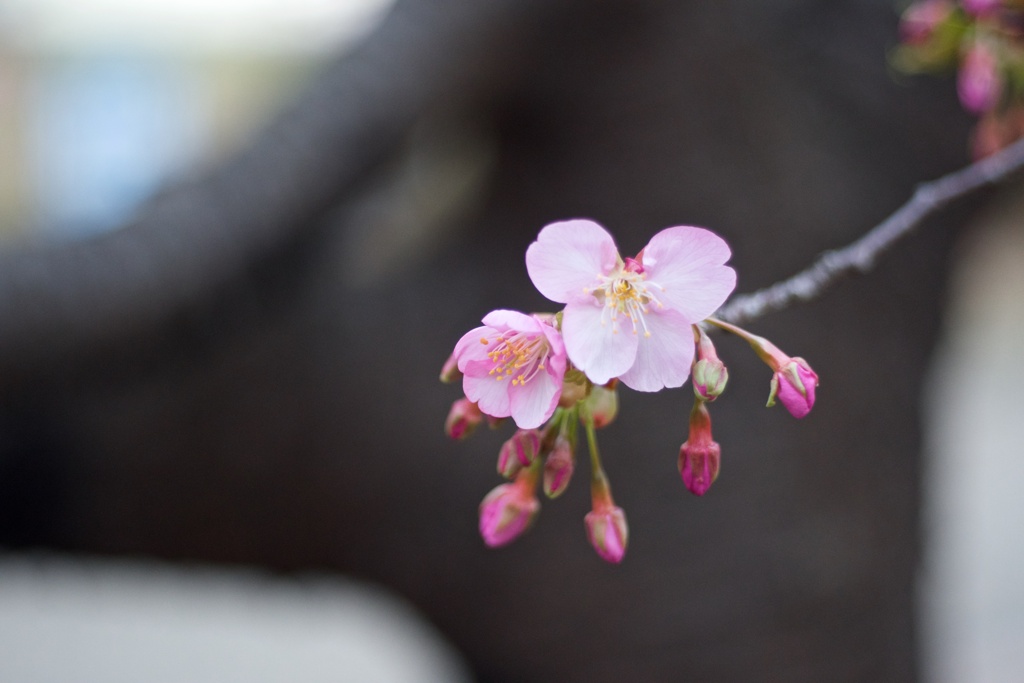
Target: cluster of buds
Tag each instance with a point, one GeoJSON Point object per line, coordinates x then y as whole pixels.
{"type": "Point", "coordinates": [642, 322]}
{"type": "Point", "coordinates": [983, 40]}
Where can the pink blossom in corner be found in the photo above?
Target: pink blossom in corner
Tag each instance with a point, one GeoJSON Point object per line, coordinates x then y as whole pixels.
{"type": "Point", "coordinates": [920, 20]}
{"type": "Point", "coordinates": [794, 384]}
{"type": "Point", "coordinates": [981, 8]}
{"type": "Point", "coordinates": [631, 318]}
{"type": "Point", "coordinates": [979, 84]}
{"type": "Point", "coordinates": [513, 366]}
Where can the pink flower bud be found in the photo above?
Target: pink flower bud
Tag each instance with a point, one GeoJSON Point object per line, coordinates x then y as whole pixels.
{"type": "Point", "coordinates": [980, 8]}
{"type": "Point", "coordinates": [920, 20]}
{"type": "Point", "coordinates": [979, 84]}
{"type": "Point", "coordinates": [573, 391]}
{"type": "Point", "coordinates": [607, 532]}
{"type": "Point", "coordinates": [450, 371]}
{"type": "Point", "coordinates": [602, 406]}
{"type": "Point", "coordinates": [508, 510]}
{"type": "Point", "coordinates": [518, 452]}
{"type": "Point", "coordinates": [709, 375]}
{"type": "Point", "coordinates": [794, 384]}
{"type": "Point", "coordinates": [709, 378]}
{"type": "Point", "coordinates": [463, 418]}
{"type": "Point", "coordinates": [700, 456]}
{"type": "Point", "coordinates": [606, 522]}
{"type": "Point", "coordinates": [558, 468]}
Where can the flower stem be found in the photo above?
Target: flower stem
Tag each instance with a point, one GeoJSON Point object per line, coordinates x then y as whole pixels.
{"type": "Point", "coordinates": [600, 489]}
{"type": "Point", "coordinates": [766, 351]}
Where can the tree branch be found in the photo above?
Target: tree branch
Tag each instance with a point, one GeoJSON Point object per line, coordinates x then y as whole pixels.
{"type": "Point", "coordinates": [859, 257]}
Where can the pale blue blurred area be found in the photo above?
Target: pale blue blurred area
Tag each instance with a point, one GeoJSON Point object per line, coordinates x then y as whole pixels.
{"type": "Point", "coordinates": [104, 132]}
{"type": "Point", "coordinates": [104, 101]}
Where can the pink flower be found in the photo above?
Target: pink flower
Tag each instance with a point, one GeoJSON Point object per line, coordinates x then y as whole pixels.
{"type": "Point", "coordinates": [978, 83]}
{"type": "Point", "coordinates": [794, 384]}
{"type": "Point", "coordinates": [508, 510]}
{"type": "Point", "coordinates": [513, 366]}
{"type": "Point", "coordinates": [631, 319]}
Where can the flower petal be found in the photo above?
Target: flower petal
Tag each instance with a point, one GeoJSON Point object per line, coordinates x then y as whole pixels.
{"type": "Point", "coordinates": [556, 357]}
{"type": "Point", "coordinates": [592, 345]}
{"type": "Point", "coordinates": [662, 359]}
{"type": "Point", "coordinates": [568, 257]}
{"type": "Point", "coordinates": [534, 402]}
{"type": "Point", "coordinates": [490, 394]}
{"type": "Point", "coordinates": [503, 320]}
{"type": "Point", "coordinates": [688, 263]}
{"type": "Point", "coordinates": [470, 348]}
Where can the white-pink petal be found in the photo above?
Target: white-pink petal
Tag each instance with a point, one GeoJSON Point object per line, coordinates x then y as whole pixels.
{"type": "Point", "coordinates": [503, 320]}
{"type": "Point", "coordinates": [592, 344]}
{"type": "Point", "coordinates": [533, 403]}
{"type": "Point", "coordinates": [688, 263]}
{"type": "Point", "coordinates": [569, 257]}
{"type": "Point", "coordinates": [663, 359]}
{"type": "Point", "coordinates": [469, 348]}
{"type": "Point", "coordinates": [490, 394]}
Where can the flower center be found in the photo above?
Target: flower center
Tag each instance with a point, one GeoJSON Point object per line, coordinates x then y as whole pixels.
{"type": "Point", "coordinates": [627, 292]}
{"type": "Point", "coordinates": [517, 355]}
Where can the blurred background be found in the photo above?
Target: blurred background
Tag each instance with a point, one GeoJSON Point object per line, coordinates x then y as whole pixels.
{"type": "Point", "coordinates": [239, 239]}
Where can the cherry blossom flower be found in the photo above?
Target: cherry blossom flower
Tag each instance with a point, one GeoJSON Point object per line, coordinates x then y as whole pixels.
{"type": "Point", "coordinates": [513, 366]}
{"type": "Point", "coordinates": [631, 318]}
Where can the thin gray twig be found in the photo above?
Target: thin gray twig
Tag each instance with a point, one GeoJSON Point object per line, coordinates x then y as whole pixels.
{"type": "Point", "coordinates": [860, 256]}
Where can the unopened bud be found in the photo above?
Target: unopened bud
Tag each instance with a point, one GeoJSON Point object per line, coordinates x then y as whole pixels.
{"type": "Point", "coordinates": [602, 406]}
{"type": "Point", "coordinates": [979, 83]}
{"type": "Point", "coordinates": [700, 456]}
{"type": "Point", "coordinates": [558, 468]}
{"type": "Point", "coordinates": [709, 375]}
{"type": "Point", "coordinates": [606, 522]}
{"type": "Point", "coordinates": [463, 418]}
{"type": "Point", "coordinates": [794, 384]}
{"type": "Point", "coordinates": [709, 378]}
{"type": "Point", "coordinates": [509, 510]}
{"type": "Point", "coordinates": [450, 371]}
{"type": "Point", "coordinates": [608, 533]}
{"type": "Point", "coordinates": [574, 389]}
{"type": "Point", "coordinates": [518, 452]}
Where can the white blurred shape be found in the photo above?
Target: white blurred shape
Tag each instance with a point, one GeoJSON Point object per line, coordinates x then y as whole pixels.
{"type": "Point", "coordinates": [972, 604]}
{"type": "Point", "coordinates": [119, 622]}
{"type": "Point", "coordinates": [188, 25]}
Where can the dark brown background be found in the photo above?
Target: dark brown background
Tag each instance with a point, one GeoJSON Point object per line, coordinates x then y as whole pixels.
{"type": "Point", "coordinates": [231, 379]}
